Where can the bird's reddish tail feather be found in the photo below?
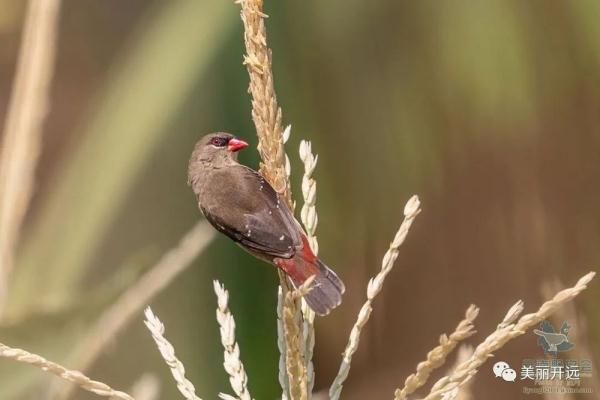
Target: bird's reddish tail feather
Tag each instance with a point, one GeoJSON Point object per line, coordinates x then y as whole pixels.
{"type": "Point", "coordinates": [327, 288]}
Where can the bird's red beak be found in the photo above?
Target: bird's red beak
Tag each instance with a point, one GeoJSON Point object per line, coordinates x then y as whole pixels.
{"type": "Point", "coordinates": [236, 145]}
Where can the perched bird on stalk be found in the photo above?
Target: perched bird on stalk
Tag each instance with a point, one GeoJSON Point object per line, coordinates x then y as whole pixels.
{"type": "Point", "coordinates": [240, 203]}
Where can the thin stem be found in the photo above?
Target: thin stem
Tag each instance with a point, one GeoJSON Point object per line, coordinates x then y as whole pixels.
{"type": "Point", "coordinates": [23, 127]}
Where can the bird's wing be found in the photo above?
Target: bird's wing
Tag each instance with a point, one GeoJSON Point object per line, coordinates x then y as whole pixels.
{"type": "Point", "coordinates": [243, 205]}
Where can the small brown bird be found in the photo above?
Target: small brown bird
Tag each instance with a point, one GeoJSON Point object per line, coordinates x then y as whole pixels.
{"type": "Point", "coordinates": [240, 203]}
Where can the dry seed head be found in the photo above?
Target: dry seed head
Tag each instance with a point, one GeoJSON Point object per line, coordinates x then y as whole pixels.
{"type": "Point", "coordinates": [437, 356]}
{"type": "Point", "coordinates": [231, 351]}
{"type": "Point", "coordinates": [411, 210]}
{"type": "Point", "coordinates": [167, 351]}
{"type": "Point", "coordinates": [502, 335]}
{"type": "Point", "coordinates": [75, 377]}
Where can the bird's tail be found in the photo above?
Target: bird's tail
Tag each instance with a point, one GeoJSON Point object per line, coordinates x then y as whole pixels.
{"type": "Point", "coordinates": [326, 292]}
{"type": "Point", "coordinates": [326, 289]}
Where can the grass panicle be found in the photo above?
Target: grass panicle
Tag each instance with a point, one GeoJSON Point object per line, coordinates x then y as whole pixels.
{"type": "Point", "coordinates": [505, 332]}
{"type": "Point", "coordinates": [310, 219]}
{"type": "Point", "coordinates": [266, 113]}
{"type": "Point", "coordinates": [232, 363]}
{"type": "Point", "coordinates": [76, 377]}
{"type": "Point", "coordinates": [167, 351]}
{"type": "Point", "coordinates": [411, 210]}
{"type": "Point", "coordinates": [267, 117]}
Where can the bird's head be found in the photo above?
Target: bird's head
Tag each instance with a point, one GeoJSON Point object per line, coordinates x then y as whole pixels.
{"type": "Point", "coordinates": [217, 148]}
{"type": "Point", "coordinates": [213, 151]}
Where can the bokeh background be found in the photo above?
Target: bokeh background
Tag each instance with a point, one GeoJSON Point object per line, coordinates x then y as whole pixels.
{"type": "Point", "coordinates": [490, 111]}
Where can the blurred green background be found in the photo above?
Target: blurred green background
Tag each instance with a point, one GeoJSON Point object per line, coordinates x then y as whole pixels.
{"type": "Point", "coordinates": [490, 111]}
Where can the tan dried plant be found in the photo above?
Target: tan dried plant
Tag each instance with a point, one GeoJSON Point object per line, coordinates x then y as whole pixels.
{"type": "Point", "coordinates": [266, 113]}
{"type": "Point", "coordinates": [505, 332]}
{"type": "Point", "coordinates": [76, 377]}
{"type": "Point", "coordinates": [310, 219]}
{"type": "Point", "coordinates": [232, 363]}
{"type": "Point", "coordinates": [22, 137]}
{"type": "Point", "coordinates": [437, 356]}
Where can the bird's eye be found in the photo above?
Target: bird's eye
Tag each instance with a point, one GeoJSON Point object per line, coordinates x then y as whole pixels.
{"type": "Point", "coordinates": [218, 141]}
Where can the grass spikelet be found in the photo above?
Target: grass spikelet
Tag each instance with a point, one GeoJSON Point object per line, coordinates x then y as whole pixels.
{"type": "Point", "coordinates": [308, 215]}
{"type": "Point", "coordinates": [309, 218]}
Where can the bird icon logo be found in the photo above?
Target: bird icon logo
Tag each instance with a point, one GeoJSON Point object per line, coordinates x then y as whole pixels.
{"type": "Point", "coordinates": [551, 341]}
